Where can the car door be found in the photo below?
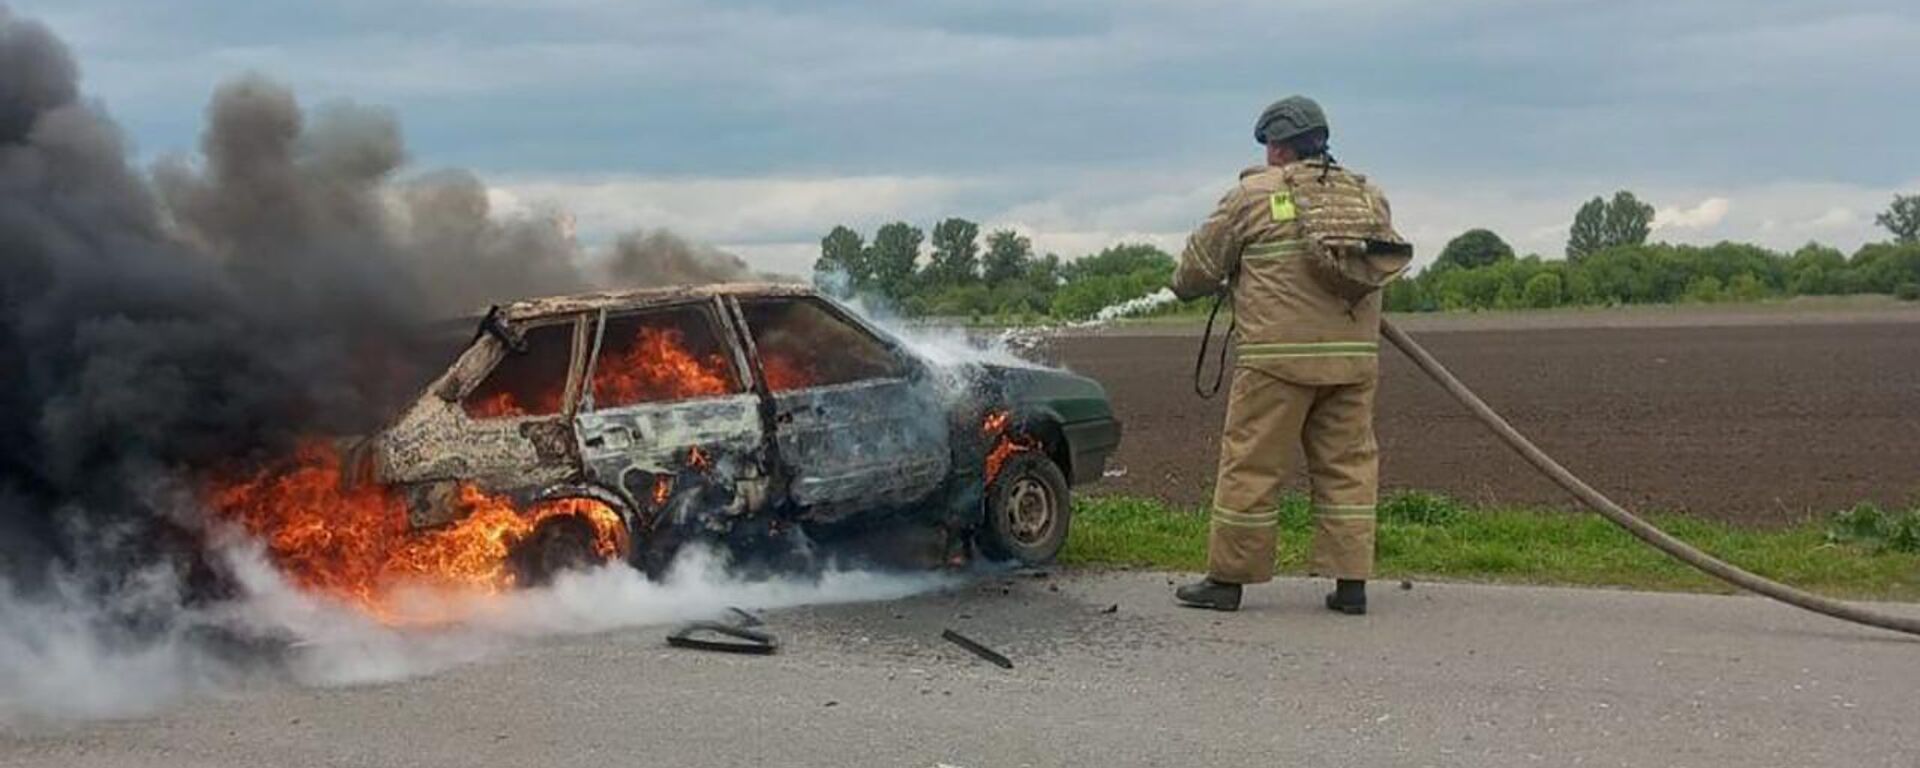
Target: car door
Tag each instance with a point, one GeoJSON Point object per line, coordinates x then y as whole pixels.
{"type": "Point", "coordinates": [665, 395]}
{"type": "Point", "coordinates": [503, 416]}
{"type": "Point", "coordinates": [854, 422]}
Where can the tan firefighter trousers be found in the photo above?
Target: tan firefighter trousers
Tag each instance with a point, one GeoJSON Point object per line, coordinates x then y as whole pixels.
{"type": "Point", "coordinates": [1266, 417]}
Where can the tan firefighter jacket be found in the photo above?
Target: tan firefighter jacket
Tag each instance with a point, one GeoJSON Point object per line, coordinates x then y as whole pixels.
{"type": "Point", "coordinates": [1287, 323]}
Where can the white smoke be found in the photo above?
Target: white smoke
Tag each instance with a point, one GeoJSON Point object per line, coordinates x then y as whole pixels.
{"type": "Point", "coordinates": [955, 354]}
{"type": "Point", "coordinates": [60, 658]}
{"type": "Point", "coordinates": [951, 346]}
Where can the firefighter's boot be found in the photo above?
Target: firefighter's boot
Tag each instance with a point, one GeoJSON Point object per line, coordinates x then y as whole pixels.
{"type": "Point", "coordinates": [1349, 596]}
{"type": "Point", "coordinates": [1209, 594]}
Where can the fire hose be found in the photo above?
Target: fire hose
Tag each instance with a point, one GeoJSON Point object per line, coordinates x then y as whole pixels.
{"type": "Point", "coordinates": [1618, 515]}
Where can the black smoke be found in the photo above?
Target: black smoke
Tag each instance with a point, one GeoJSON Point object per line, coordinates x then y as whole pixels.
{"type": "Point", "coordinates": [206, 312]}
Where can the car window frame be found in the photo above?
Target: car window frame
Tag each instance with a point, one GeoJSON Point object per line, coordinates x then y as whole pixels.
{"type": "Point", "coordinates": [709, 309]}
{"type": "Point", "coordinates": [911, 367]}
{"type": "Point", "coordinates": [496, 352]}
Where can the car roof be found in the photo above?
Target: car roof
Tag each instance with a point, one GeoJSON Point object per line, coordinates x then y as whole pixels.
{"type": "Point", "coordinates": [642, 297]}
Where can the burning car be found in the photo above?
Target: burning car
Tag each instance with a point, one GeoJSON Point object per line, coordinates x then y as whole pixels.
{"type": "Point", "coordinates": [765, 418]}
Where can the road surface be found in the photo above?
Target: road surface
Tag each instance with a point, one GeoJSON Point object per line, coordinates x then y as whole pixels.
{"type": "Point", "coordinates": [1439, 675]}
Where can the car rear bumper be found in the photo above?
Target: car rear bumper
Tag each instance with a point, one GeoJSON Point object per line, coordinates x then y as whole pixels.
{"type": "Point", "coordinates": [1091, 443]}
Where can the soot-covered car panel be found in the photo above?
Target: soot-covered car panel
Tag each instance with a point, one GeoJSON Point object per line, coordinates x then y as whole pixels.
{"type": "Point", "coordinates": [747, 414]}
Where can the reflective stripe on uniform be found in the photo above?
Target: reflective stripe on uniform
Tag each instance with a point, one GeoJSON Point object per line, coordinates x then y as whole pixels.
{"type": "Point", "coordinates": [1310, 349]}
{"type": "Point", "coordinates": [1246, 519]}
{"type": "Point", "coordinates": [1344, 511]}
{"type": "Point", "coordinates": [1207, 263]}
{"type": "Point", "coordinates": [1274, 249]}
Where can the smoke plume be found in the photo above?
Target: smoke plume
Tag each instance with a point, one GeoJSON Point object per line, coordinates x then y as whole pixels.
{"type": "Point", "coordinates": [664, 256]}
{"type": "Point", "coordinates": [157, 324]}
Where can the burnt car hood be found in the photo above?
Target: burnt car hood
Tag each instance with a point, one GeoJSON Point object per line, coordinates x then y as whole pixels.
{"type": "Point", "coordinates": [1069, 396]}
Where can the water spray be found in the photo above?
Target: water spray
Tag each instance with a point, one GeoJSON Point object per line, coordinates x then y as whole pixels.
{"type": "Point", "coordinates": [1030, 337]}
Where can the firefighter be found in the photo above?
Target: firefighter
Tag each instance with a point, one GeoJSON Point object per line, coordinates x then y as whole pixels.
{"type": "Point", "coordinates": [1300, 246]}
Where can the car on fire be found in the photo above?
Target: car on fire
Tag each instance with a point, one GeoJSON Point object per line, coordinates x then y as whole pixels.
{"type": "Point", "coordinates": [768, 419]}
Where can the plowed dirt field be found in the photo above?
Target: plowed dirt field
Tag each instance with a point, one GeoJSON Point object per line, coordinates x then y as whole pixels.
{"type": "Point", "coordinates": [1766, 420]}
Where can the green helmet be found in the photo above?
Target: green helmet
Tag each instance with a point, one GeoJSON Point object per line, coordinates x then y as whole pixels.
{"type": "Point", "coordinates": [1287, 118]}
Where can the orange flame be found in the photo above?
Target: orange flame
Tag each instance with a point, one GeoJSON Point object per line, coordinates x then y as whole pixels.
{"type": "Point", "coordinates": [504, 405]}
{"type": "Point", "coordinates": [785, 373]}
{"type": "Point", "coordinates": [996, 422]}
{"type": "Point", "coordinates": [658, 367]}
{"type": "Point", "coordinates": [1007, 443]}
{"type": "Point", "coordinates": [356, 545]}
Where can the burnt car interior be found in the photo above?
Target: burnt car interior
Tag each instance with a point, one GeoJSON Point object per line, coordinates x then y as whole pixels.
{"type": "Point", "coordinates": [801, 344]}
{"type": "Point", "coordinates": [661, 355]}
{"type": "Point", "coordinates": [527, 383]}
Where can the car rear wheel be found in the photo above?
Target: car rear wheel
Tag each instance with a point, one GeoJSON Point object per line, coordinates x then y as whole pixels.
{"type": "Point", "coordinates": [1029, 510]}
{"type": "Point", "coordinates": [558, 545]}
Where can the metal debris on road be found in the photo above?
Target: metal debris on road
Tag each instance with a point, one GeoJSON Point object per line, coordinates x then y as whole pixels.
{"type": "Point", "coordinates": [977, 649]}
{"type": "Point", "coordinates": [744, 639]}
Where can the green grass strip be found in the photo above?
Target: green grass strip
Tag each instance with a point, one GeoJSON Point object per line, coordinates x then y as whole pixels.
{"type": "Point", "coordinates": [1426, 536]}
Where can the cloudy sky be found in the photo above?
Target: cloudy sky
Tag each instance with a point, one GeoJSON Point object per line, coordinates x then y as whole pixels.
{"type": "Point", "coordinates": [758, 125]}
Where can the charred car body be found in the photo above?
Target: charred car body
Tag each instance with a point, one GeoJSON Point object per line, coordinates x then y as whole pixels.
{"type": "Point", "coordinates": [767, 418]}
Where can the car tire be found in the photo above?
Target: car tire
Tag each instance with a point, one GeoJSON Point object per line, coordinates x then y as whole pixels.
{"type": "Point", "coordinates": [1029, 511]}
{"type": "Point", "coordinates": [558, 545]}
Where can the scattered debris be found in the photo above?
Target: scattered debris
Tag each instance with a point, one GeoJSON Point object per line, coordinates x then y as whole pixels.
{"type": "Point", "coordinates": [977, 649]}
{"type": "Point", "coordinates": [1114, 608]}
{"type": "Point", "coordinates": [745, 639]}
{"type": "Point", "coordinates": [1113, 472]}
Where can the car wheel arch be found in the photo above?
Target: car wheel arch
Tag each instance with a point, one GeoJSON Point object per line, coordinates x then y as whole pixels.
{"type": "Point", "coordinates": [589, 491]}
{"type": "Point", "coordinates": [1045, 425]}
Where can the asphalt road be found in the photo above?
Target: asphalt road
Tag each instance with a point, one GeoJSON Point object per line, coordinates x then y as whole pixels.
{"type": "Point", "coordinates": [1441, 675]}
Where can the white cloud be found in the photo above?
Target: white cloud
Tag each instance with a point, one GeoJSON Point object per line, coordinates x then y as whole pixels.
{"type": "Point", "coordinates": [731, 210]}
{"type": "Point", "coordinates": [1071, 243]}
{"type": "Point", "coordinates": [776, 222]}
{"type": "Point", "coordinates": [1708, 213]}
{"type": "Point", "coordinates": [1835, 219]}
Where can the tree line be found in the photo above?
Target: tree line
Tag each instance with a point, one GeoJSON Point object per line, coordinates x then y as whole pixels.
{"type": "Point", "coordinates": [1608, 261]}
{"type": "Point", "coordinates": [1006, 280]}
